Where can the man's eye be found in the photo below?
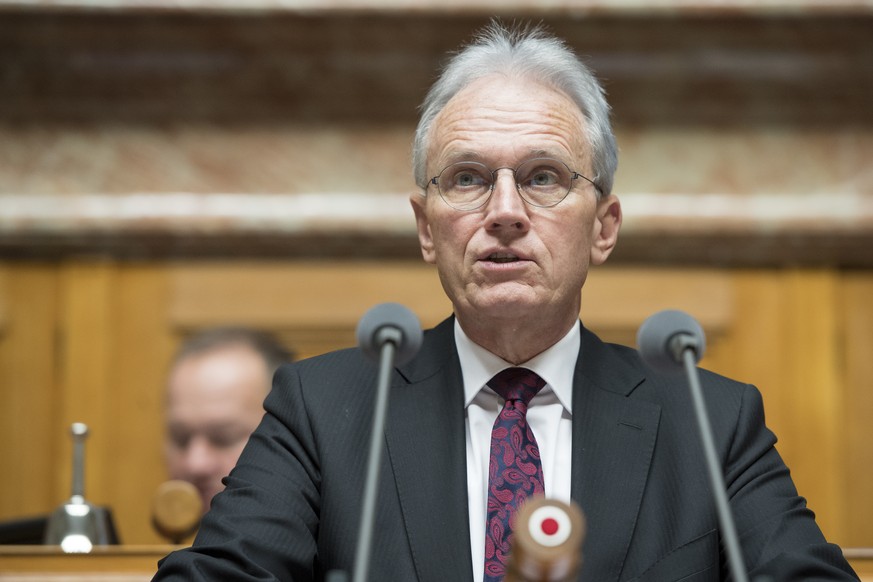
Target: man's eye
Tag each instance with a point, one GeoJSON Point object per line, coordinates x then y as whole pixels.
{"type": "Point", "coordinates": [222, 442]}
{"type": "Point", "coordinates": [227, 440]}
{"type": "Point", "coordinates": [468, 179]}
{"type": "Point", "coordinates": [543, 178]}
{"type": "Point", "coordinates": [180, 440]}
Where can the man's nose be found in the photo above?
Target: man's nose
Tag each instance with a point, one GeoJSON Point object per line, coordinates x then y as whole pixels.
{"type": "Point", "coordinates": [200, 458]}
{"type": "Point", "coordinates": [506, 205]}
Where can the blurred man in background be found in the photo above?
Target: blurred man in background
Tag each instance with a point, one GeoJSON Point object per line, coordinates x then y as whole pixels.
{"type": "Point", "coordinates": [215, 391]}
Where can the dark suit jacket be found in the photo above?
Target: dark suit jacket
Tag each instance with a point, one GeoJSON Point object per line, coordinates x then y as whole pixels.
{"type": "Point", "coordinates": [291, 507]}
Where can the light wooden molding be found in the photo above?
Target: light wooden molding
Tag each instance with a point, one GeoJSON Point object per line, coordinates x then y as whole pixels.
{"type": "Point", "coordinates": [453, 7]}
{"type": "Point", "coordinates": [716, 229]}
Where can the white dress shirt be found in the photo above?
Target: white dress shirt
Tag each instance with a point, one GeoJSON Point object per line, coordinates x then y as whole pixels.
{"type": "Point", "coordinates": [549, 415]}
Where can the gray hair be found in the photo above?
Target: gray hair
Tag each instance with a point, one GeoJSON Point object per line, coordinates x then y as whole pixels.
{"type": "Point", "coordinates": [530, 53]}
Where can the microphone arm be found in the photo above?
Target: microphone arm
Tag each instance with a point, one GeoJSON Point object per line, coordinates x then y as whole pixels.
{"type": "Point", "coordinates": [374, 458]}
{"type": "Point", "coordinates": [391, 334]}
{"type": "Point", "coordinates": [671, 339]}
{"type": "Point", "coordinates": [716, 479]}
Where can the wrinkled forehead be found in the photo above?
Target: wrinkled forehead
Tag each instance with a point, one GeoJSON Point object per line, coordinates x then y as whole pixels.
{"type": "Point", "coordinates": [504, 120]}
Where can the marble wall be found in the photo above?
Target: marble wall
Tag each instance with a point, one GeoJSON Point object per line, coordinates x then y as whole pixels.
{"type": "Point", "coordinates": [156, 130]}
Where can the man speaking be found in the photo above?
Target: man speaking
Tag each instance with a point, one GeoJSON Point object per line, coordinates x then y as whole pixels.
{"type": "Point", "coordinates": [511, 397]}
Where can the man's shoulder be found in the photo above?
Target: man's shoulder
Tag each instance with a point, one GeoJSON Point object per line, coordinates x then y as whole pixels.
{"type": "Point", "coordinates": [332, 376]}
{"type": "Point", "coordinates": [352, 364]}
{"type": "Point", "coordinates": [622, 359]}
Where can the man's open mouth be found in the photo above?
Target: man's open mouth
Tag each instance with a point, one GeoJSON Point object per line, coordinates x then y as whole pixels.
{"type": "Point", "coordinates": [502, 258]}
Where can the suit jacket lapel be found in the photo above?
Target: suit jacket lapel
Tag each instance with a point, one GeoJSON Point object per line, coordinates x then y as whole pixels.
{"type": "Point", "coordinates": [426, 447]}
{"type": "Point", "coordinates": [613, 442]}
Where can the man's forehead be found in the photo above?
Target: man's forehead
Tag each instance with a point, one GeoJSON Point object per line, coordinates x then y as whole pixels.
{"type": "Point", "coordinates": [479, 120]}
{"type": "Point", "coordinates": [230, 360]}
{"type": "Point", "coordinates": [197, 414]}
{"type": "Point", "coordinates": [469, 155]}
{"type": "Point", "coordinates": [225, 424]}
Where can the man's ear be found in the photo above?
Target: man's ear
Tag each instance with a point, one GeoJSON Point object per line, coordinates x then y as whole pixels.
{"type": "Point", "coordinates": [425, 239]}
{"type": "Point", "coordinates": [607, 225]}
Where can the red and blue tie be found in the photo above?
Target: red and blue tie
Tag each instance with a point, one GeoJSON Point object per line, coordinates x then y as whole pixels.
{"type": "Point", "coordinates": [515, 471]}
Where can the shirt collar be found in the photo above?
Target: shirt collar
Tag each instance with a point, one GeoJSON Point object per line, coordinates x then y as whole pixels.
{"type": "Point", "coordinates": [556, 365]}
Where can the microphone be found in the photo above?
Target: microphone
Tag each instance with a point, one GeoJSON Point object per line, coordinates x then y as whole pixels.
{"type": "Point", "coordinates": [176, 510]}
{"type": "Point", "coordinates": [390, 334]}
{"type": "Point", "coordinates": [547, 542]}
{"type": "Point", "coordinates": [389, 323]}
{"type": "Point", "coordinates": [664, 337]}
{"type": "Point", "coordinates": [669, 341]}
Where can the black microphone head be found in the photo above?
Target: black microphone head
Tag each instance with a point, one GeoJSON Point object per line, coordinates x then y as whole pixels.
{"type": "Point", "coordinates": [659, 330]}
{"type": "Point", "coordinates": [389, 316]}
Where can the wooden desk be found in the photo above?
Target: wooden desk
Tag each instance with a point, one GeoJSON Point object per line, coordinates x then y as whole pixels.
{"type": "Point", "coordinates": [104, 564]}
{"type": "Point", "coordinates": [138, 563]}
{"type": "Point", "coordinates": [862, 561]}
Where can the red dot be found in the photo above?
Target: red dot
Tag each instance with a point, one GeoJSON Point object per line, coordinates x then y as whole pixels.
{"type": "Point", "coordinates": [549, 526]}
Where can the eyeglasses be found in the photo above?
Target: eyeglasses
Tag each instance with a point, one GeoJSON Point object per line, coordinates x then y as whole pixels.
{"type": "Point", "coordinates": [541, 182]}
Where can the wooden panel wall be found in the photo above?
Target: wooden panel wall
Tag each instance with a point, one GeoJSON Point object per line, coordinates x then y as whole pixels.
{"type": "Point", "coordinates": [90, 341]}
{"type": "Point", "coordinates": [28, 389]}
{"type": "Point", "coordinates": [855, 316]}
